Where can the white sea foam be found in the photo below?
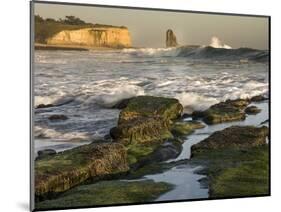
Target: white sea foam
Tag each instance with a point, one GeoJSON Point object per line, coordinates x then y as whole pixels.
{"type": "Point", "coordinates": [248, 90]}
{"type": "Point", "coordinates": [173, 51]}
{"type": "Point", "coordinates": [44, 100]}
{"type": "Point", "coordinates": [196, 101]}
{"type": "Point", "coordinates": [119, 92]}
{"type": "Point", "coordinates": [51, 133]}
{"type": "Point", "coordinates": [217, 43]}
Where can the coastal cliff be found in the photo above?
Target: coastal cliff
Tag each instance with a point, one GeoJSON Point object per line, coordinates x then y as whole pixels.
{"type": "Point", "coordinates": [93, 37]}
{"type": "Point", "coordinates": [72, 33]}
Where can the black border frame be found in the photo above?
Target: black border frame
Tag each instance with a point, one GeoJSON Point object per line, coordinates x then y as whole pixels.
{"type": "Point", "coordinates": [31, 53]}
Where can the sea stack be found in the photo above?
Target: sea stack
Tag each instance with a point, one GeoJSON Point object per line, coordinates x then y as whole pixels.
{"type": "Point", "coordinates": [171, 40]}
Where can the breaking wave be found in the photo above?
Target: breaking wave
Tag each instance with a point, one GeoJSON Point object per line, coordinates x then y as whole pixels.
{"type": "Point", "coordinates": [119, 93]}
{"type": "Point", "coordinates": [217, 43]}
{"type": "Point", "coordinates": [195, 101]}
{"type": "Point", "coordinates": [216, 51]}
{"type": "Point", "coordinates": [41, 132]}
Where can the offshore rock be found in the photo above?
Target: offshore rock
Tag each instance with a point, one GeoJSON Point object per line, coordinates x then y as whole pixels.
{"type": "Point", "coordinates": [171, 40]}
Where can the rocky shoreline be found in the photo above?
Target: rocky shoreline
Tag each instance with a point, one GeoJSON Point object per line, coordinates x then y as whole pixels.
{"type": "Point", "coordinates": [149, 132]}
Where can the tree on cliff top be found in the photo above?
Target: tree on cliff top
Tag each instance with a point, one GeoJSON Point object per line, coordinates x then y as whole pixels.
{"type": "Point", "coordinates": [46, 28]}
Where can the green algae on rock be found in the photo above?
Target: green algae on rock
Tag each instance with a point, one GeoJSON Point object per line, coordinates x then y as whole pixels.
{"type": "Point", "coordinates": [144, 126]}
{"type": "Point", "coordinates": [232, 137]}
{"type": "Point", "coordinates": [141, 130]}
{"type": "Point", "coordinates": [150, 106]}
{"type": "Point", "coordinates": [230, 110]}
{"type": "Point", "coordinates": [235, 172]}
{"type": "Point", "coordinates": [235, 160]}
{"type": "Point", "coordinates": [146, 119]}
{"type": "Point", "coordinates": [185, 128]}
{"type": "Point", "coordinates": [142, 156]}
{"type": "Point", "coordinates": [108, 193]}
{"type": "Point", "coordinates": [58, 173]}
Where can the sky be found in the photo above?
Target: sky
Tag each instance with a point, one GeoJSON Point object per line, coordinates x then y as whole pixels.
{"type": "Point", "coordinates": [148, 28]}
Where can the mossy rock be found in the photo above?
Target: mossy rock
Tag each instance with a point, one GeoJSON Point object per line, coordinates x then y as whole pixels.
{"type": "Point", "coordinates": [144, 128]}
{"type": "Point", "coordinates": [108, 193]}
{"type": "Point", "coordinates": [60, 172]}
{"type": "Point", "coordinates": [150, 106]}
{"type": "Point", "coordinates": [140, 155]}
{"type": "Point", "coordinates": [230, 110]}
{"type": "Point", "coordinates": [185, 128]}
{"type": "Point", "coordinates": [232, 137]}
{"type": "Point", "coordinates": [141, 130]}
{"type": "Point", "coordinates": [146, 119]}
{"type": "Point", "coordinates": [252, 110]}
{"type": "Point", "coordinates": [233, 172]}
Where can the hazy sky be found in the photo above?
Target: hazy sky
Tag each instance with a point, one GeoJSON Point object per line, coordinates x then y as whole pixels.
{"type": "Point", "coordinates": [148, 28]}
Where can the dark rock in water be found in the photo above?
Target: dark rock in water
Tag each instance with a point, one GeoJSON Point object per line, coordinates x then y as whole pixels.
{"type": "Point", "coordinates": [258, 98]}
{"type": "Point", "coordinates": [44, 106]}
{"type": "Point", "coordinates": [185, 128]}
{"type": "Point", "coordinates": [169, 150]}
{"type": "Point", "coordinates": [60, 172]}
{"type": "Point", "coordinates": [122, 104]}
{"type": "Point", "coordinates": [171, 40]}
{"type": "Point", "coordinates": [204, 183]}
{"type": "Point", "coordinates": [107, 137]}
{"type": "Point", "coordinates": [230, 110]}
{"type": "Point", "coordinates": [141, 155]}
{"type": "Point", "coordinates": [46, 152]}
{"type": "Point", "coordinates": [186, 115]}
{"type": "Point", "coordinates": [264, 122]}
{"type": "Point", "coordinates": [238, 137]}
{"type": "Point", "coordinates": [57, 117]}
{"type": "Point", "coordinates": [252, 110]}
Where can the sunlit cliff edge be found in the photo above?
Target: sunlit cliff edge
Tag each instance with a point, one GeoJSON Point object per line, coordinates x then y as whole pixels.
{"type": "Point", "coordinates": [72, 33]}
{"type": "Point", "coordinates": [93, 37]}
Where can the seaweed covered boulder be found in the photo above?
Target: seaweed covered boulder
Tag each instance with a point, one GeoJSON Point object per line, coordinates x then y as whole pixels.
{"type": "Point", "coordinates": [108, 193]}
{"type": "Point", "coordinates": [141, 130]}
{"type": "Point", "coordinates": [150, 106]}
{"type": "Point", "coordinates": [57, 173]}
{"type": "Point", "coordinates": [230, 110]}
{"type": "Point", "coordinates": [235, 172]}
{"type": "Point", "coordinates": [235, 161]}
{"type": "Point", "coordinates": [237, 137]}
{"type": "Point", "coordinates": [144, 128]}
{"type": "Point", "coordinates": [146, 119]}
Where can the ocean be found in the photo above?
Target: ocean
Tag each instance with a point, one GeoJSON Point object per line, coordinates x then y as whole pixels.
{"type": "Point", "coordinates": [85, 85]}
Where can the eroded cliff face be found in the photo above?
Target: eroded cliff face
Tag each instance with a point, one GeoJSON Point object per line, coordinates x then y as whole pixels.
{"type": "Point", "coordinates": [93, 37]}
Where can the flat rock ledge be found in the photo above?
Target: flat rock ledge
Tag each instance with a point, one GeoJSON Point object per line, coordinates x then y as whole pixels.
{"type": "Point", "coordinates": [230, 110]}
{"type": "Point", "coordinates": [58, 173]}
{"type": "Point", "coordinates": [237, 137]}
